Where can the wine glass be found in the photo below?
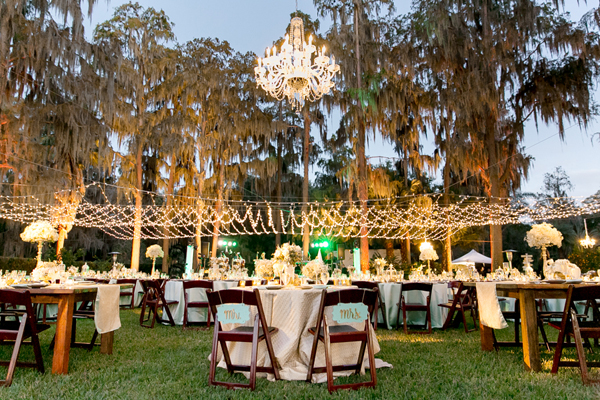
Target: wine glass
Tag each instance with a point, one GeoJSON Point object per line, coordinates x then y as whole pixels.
{"type": "Point", "coordinates": [324, 278]}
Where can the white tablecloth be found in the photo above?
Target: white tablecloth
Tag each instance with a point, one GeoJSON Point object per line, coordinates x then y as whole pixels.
{"type": "Point", "coordinates": [294, 311]}
{"type": "Point", "coordinates": [391, 297]}
{"type": "Point", "coordinates": [174, 291]}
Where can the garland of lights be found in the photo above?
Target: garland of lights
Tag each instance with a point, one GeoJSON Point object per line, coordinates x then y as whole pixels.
{"type": "Point", "coordinates": [402, 218]}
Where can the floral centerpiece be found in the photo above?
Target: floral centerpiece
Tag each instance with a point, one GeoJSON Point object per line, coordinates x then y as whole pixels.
{"type": "Point", "coordinates": [39, 232]}
{"type": "Point", "coordinates": [313, 269]}
{"type": "Point", "coordinates": [286, 256]}
{"type": "Point", "coordinates": [428, 254]}
{"type": "Point", "coordinates": [154, 252]}
{"type": "Point", "coordinates": [263, 268]}
{"type": "Point", "coordinates": [380, 265]}
{"type": "Point", "coordinates": [218, 267]}
{"type": "Point", "coordinates": [541, 236]}
{"type": "Point", "coordinates": [48, 271]}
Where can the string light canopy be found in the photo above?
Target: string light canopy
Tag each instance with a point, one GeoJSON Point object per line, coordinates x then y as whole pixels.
{"type": "Point", "coordinates": [587, 242]}
{"type": "Point", "coordinates": [408, 217]}
{"type": "Point", "coordinates": [299, 72]}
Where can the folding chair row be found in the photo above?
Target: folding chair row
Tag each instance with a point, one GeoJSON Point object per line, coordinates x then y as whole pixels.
{"type": "Point", "coordinates": [233, 306]}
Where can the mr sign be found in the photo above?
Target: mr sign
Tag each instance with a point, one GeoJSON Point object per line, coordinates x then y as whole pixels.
{"type": "Point", "coordinates": [233, 313]}
{"type": "Point", "coordinates": [344, 313]}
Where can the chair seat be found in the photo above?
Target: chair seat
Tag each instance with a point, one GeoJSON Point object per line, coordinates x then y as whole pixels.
{"type": "Point", "coordinates": [8, 329]}
{"type": "Point", "coordinates": [166, 303]}
{"type": "Point", "coordinates": [458, 306]}
{"type": "Point", "coordinates": [335, 329]}
{"type": "Point", "coordinates": [248, 330]}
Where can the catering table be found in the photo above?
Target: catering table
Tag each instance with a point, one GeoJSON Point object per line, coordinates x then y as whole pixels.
{"type": "Point", "coordinates": [526, 293]}
{"type": "Point", "coordinates": [391, 297]}
{"type": "Point", "coordinates": [174, 291]}
{"type": "Point", "coordinates": [293, 312]}
{"type": "Point", "coordinates": [66, 298]}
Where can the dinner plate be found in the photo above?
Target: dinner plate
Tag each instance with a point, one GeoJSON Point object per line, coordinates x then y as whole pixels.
{"type": "Point", "coordinates": [319, 286]}
{"type": "Point", "coordinates": [574, 281]}
{"type": "Point", "coordinates": [32, 285]}
{"type": "Point", "coordinates": [306, 287]}
{"type": "Point", "coordinates": [555, 281]}
{"type": "Point", "coordinates": [274, 287]}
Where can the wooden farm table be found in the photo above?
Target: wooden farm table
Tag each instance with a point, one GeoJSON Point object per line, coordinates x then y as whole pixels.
{"type": "Point", "coordinates": [526, 293]}
{"type": "Point", "coordinates": [66, 298]}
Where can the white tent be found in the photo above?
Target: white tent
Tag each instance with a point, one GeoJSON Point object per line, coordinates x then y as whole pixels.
{"type": "Point", "coordinates": [473, 257]}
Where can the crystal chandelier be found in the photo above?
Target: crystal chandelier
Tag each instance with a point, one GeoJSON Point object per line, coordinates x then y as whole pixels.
{"type": "Point", "coordinates": [587, 242]}
{"type": "Point", "coordinates": [293, 73]}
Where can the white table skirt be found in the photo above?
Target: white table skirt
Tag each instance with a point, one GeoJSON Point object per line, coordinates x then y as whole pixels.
{"type": "Point", "coordinates": [174, 291]}
{"type": "Point", "coordinates": [293, 312]}
{"type": "Point", "coordinates": [391, 297]}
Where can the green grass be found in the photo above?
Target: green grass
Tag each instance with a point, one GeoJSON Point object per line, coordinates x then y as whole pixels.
{"type": "Point", "coordinates": [167, 363]}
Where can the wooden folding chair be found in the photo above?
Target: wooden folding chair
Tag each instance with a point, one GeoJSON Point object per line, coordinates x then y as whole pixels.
{"type": "Point", "coordinates": [16, 325]}
{"type": "Point", "coordinates": [579, 329]}
{"type": "Point", "coordinates": [233, 306]}
{"type": "Point", "coordinates": [462, 300]}
{"type": "Point", "coordinates": [188, 285]}
{"type": "Point", "coordinates": [380, 303]}
{"type": "Point", "coordinates": [350, 305]}
{"type": "Point", "coordinates": [128, 292]}
{"type": "Point", "coordinates": [404, 306]}
{"type": "Point", "coordinates": [154, 300]}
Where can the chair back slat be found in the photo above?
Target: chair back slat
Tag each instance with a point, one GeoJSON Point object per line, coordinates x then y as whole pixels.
{"type": "Point", "coordinates": [127, 281]}
{"type": "Point", "coordinates": [588, 292]}
{"type": "Point", "coordinates": [417, 286]}
{"type": "Point", "coordinates": [197, 284]}
{"type": "Point", "coordinates": [366, 285]}
{"type": "Point", "coordinates": [20, 298]}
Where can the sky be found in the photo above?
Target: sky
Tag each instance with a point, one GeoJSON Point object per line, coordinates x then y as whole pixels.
{"type": "Point", "coordinates": [254, 25]}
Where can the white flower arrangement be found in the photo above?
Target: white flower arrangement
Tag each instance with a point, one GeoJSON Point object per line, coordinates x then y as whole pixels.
{"type": "Point", "coordinates": [238, 263]}
{"type": "Point", "coordinates": [428, 253]}
{"type": "Point", "coordinates": [263, 268]}
{"type": "Point", "coordinates": [288, 253]}
{"type": "Point", "coordinates": [73, 270]}
{"type": "Point", "coordinates": [154, 251]}
{"type": "Point", "coordinates": [313, 269]}
{"type": "Point", "coordinates": [543, 234]}
{"type": "Point", "coordinates": [380, 265]}
{"type": "Point", "coordinates": [47, 271]}
{"type": "Point", "coordinates": [39, 231]}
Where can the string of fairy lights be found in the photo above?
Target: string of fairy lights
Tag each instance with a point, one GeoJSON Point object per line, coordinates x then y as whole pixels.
{"type": "Point", "coordinates": [410, 217]}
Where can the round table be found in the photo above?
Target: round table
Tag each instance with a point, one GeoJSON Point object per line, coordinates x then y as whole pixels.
{"type": "Point", "coordinates": [293, 311]}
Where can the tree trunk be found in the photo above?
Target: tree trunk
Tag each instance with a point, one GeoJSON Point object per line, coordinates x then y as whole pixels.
{"type": "Point", "coordinates": [363, 194]}
{"type": "Point", "coordinates": [60, 243]}
{"type": "Point", "coordinates": [166, 241]}
{"type": "Point", "coordinates": [306, 155]}
{"type": "Point", "coordinates": [279, 192]}
{"type": "Point", "coordinates": [447, 252]}
{"type": "Point", "coordinates": [494, 193]}
{"type": "Point", "coordinates": [219, 205]}
{"type": "Point", "coordinates": [406, 251]}
{"type": "Point", "coordinates": [389, 248]}
{"type": "Point", "coordinates": [137, 227]}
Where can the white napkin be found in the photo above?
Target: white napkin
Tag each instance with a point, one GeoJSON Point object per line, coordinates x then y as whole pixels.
{"type": "Point", "coordinates": [490, 313]}
{"type": "Point", "coordinates": [107, 316]}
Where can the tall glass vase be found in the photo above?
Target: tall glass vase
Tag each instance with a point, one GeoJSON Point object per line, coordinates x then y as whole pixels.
{"type": "Point", "coordinates": [39, 253]}
{"type": "Point", "coordinates": [545, 263]}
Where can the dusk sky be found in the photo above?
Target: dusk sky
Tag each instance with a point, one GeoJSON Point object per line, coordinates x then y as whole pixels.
{"type": "Point", "coordinates": [254, 25]}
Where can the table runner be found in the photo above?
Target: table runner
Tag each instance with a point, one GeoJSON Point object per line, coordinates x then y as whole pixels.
{"type": "Point", "coordinates": [490, 313]}
{"type": "Point", "coordinates": [106, 316]}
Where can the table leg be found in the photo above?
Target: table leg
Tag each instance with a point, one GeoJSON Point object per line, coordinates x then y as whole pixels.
{"type": "Point", "coordinates": [62, 345]}
{"type": "Point", "coordinates": [487, 337]}
{"type": "Point", "coordinates": [529, 325]}
{"type": "Point", "coordinates": [106, 342]}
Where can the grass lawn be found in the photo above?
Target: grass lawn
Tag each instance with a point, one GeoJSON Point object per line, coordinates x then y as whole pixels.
{"type": "Point", "coordinates": [167, 363]}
